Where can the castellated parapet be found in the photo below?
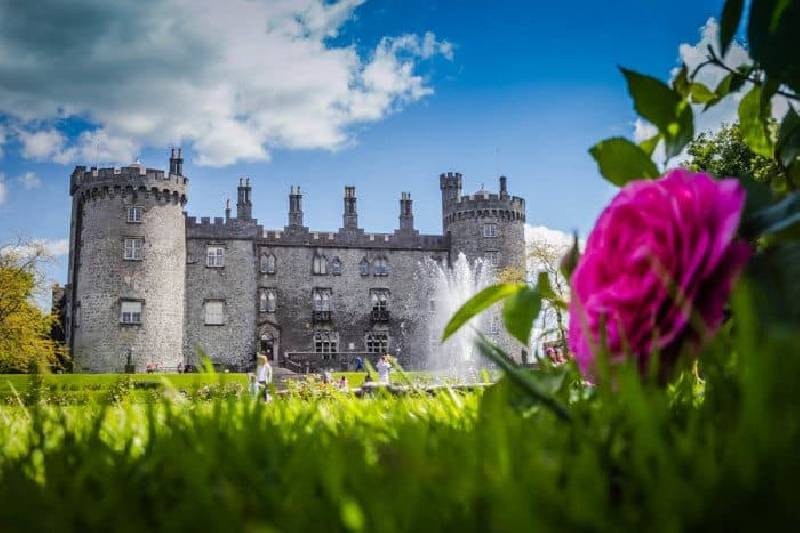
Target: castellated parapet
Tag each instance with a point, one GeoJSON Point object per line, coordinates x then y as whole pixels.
{"type": "Point", "coordinates": [128, 252]}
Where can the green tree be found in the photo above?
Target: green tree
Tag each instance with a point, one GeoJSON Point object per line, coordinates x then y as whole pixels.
{"type": "Point", "coordinates": [725, 153]}
{"type": "Point", "coordinates": [24, 329]}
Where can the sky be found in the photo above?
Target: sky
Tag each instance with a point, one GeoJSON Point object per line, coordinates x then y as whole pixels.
{"type": "Point", "coordinates": [380, 94]}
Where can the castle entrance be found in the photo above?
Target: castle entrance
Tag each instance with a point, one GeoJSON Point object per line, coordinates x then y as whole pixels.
{"type": "Point", "coordinates": [269, 340]}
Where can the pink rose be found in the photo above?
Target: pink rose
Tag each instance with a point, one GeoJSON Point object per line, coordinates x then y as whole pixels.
{"type": "Point", "coordinates": [661, 252]}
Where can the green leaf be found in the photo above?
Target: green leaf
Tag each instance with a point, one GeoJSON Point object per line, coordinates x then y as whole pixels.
{"type": "Point", "coordinates": [700, 93]}
{"type": "Point", "coordinates": [520, 377]}
{"type": "Point", "coordinates": [788, 147]}
{"type": "Point", "coordinates": [777, 217]}
{"type": "Point", "coordinates": [479, 303]}
{"type": "Point", "coordinates": [620, 161]}
{"type": "Point", "coordinates": [664, 107]}
{"type": "Point", "coordinates": [681, 82]}
{"type": "Point", "coordinates": [649, 145]}
{"type": "Point", "coordinates": [570, 260]}
{"type": "Point", "coordinates": [729, 84]}
{"type": "Point", "coordinates": [772, 36]}
{"type": "Point", "coordinates": [729, 23]}
{"type": "Point", "coordinates": [519, 312]}
{"type": "Point", "coordinates": [752, 124]}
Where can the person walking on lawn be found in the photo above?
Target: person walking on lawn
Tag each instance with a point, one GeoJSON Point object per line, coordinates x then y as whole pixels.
{"type": "Point", "coordinates": [264, 375]}
{"type": "Point", "coordinates": [383, 367]}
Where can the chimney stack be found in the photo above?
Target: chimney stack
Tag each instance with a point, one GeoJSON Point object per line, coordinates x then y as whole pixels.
{"type": "Point", "coordinates": [503, 186]}
{"type": "Point", "coordinates": [227, 209]}
{"type": "Point", "coordinates": [406, 212]}
{"type": "Point", "coordinates": [244, 204]}
{"type": "Point", "coordinates": [295, 206]}
{"type": "Point", "coordinates": [176, 162]}
{"type": "Point", "coordinates": [350, 217]}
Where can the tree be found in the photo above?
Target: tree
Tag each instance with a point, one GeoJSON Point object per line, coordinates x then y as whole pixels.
{"type": "Point", "coordinates": [544, 255]}
{"type": "Point", "coordinates": [24, 329]}
{"type": "Point", "coordinates": [725, 153]}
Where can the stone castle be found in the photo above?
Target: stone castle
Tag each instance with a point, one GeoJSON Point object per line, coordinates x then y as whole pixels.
{"type": "Point", "coordinates": [148, 284]}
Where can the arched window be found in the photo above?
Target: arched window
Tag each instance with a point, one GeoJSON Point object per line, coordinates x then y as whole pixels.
{"type": "Point", "coordinates": [267, 300]}
{"type": "Point", "coordinates": [320, 264]}
{"type": "Point", "coordinates": [380, 266]}
{"type": "Point", "coordinates": [267, 264]}
{"type": "Point", "coordinates": [363, 267]}
{"type": "Point", "coordinates": [336, 266]}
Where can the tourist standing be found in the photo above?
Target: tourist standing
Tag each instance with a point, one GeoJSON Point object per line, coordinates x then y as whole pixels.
{"type": "Point", "coordinates": [383, 367]}
{"type": "Point", "coordinates": [253, 385]}
{"type": "Point", "coordinates": [264, 375]}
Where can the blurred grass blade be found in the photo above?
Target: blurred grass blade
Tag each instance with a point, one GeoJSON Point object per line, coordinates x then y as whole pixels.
{"type": "Point", "coordinates": [478, 303]}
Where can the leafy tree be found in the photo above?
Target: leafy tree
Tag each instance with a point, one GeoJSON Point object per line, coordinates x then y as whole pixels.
{"type": "Point", "coordinates": [24, 329]}
{"type": "Point", "coordinates": [725, 153]}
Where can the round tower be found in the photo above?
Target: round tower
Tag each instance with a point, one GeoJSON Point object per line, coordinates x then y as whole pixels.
{"type": "Point", "coordinates": [127, 267]}
{"type": "Point", "coordinates": [485, 225]}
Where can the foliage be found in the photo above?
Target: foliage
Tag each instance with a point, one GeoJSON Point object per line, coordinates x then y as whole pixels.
{"type": "Point", "coordinates": [724, 153]}
{"type": "Point", "coordinates": [24, 328]}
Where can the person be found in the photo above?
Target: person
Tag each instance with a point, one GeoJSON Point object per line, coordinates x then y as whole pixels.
{"type": "Point", "coordinates": [251, 378]}
{"type": "Point", "coordinates": [264, 375]}
{"type": "Point", "coordinates": [359, 364]}
{"type": "Point", "coordinates": [383, 367]}
{"type": "Point", "coordinates": [343, 385]}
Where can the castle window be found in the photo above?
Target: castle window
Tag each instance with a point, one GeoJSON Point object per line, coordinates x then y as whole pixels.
{"type": "Point", "coordinates": [380, 266]}
{"type": "Point", "coordinates": [267, 300]}
{"type": "Point", "coordinates": [320, 264]}
{"type": "Point", "coordinates": [322, 299]}
{"type": "Point", "coordinates": [363, 267]}
{"type": "Point", "coordinates": [135, 214]}
{"type": "Point", "coordinates": [491, 258]}
{"type": "Point", "coordinates": [380, 299]}
{"type": "Point", "coordinates": [77, 320]}
{"type": "Point", "coordinates": [490, 230]}
{"type": "Point", "coordinates": [267, 264]}
{"type": "Point", "coordinates": [377, 342]}
{"type": "Point", "coordinates": [336, 266]}
{"type": "Point", "coordinates": [326, 341]}
{"type": "Point", "coordinates": [133, 249]}
{"type": "Point", "coordinates": [130, 312]}
{"type": "Point", "coordinates": [214, 312]}
{"type": "Point", "coordinates": [215, 256]}
{"type": "Point", "coordinates": [494, 325]}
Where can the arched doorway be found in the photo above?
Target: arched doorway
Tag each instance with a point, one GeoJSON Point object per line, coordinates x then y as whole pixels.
{"type": "Point", "coordinates": [266, 345]}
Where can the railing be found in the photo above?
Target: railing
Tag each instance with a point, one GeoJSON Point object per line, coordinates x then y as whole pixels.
{"type": "Point", "coordinates": [322, 316]}
{"type": "Point", "coordinates": [317, 361]}
{"type": "Point", "coordinates": [380, 315]}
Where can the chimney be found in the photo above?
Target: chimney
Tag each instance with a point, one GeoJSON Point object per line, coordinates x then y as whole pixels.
{"type": "Point", "coordinates": [244, 205]}
{"type": "Point", "coordinates": [227, 209]}
{"type": "Point", "coordinates": [406, 212]}
{"type": "Point", "coordinates": [350, 218]}
{"type": "Point", "coordinates": [295, 206]}
{"type": "Point", "coordinates": [503, 186]}
{"type": "Point", "coordinates": [176, 162]}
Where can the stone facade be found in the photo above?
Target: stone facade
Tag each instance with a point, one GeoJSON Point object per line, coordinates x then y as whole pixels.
{"type": "Point", "coordinates": [228, 288]}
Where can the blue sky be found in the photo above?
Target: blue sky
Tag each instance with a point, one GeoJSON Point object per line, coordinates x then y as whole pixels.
{"type": "Point", "coordinates": [518, 88]}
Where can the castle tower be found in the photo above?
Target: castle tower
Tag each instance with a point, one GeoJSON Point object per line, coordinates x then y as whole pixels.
{"type": "Point", "coordinates": [350, 217]}
{"type": "Point", "coordinates": [244, 201]}
{"type": "Point", "coordinates": [484, 225]}
{"type": "Point", "coordinates": [295, 207]}
{"type": "Point", "coordinates": [127, 267]}
{"type": "Point", "coordinates": [406, 212]}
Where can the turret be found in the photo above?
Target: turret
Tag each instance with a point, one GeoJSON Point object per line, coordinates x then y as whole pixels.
{"type": "Point", "coordinates": [406, 212]}
{"type": "Point", "coordinates": [244, 203]}
{"type": "Point", "coordinates": [350, 217]}
{"type": "Point", "coordinates": [295, 207]}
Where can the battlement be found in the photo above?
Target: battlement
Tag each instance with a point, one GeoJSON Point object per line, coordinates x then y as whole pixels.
{"type": "Point", "coordinates": [98, 182]}
{"type": "Point", "coordinates": [400, 240]}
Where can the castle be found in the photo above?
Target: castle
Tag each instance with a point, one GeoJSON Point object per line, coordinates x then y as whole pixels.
{"type": "Point", "coordinates": [148, 284]}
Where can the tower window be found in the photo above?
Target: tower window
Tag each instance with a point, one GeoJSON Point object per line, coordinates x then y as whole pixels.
{"type": "Point", "coordinates": [77, 320]}
{"type": "Point", "coordinates": [336, 266]}
{"type": "Point", "coordinates": [377, 342]}
{"type": "Point", "coordinates": [214, 312]}
{"type": "Point", "coordinates": [320, 267]}
{"type": "Point", "coordinates": [380, 266]}
{"type": "Point", "coordinates": [135, 214]}
{"type": "Point", "coordinates": [215, 256]}
{"type": "Point", "coordinates": [133, 249]}
{"type": "Point", "coordinates": [494, 325]}
{"type": "Point", "coordinates": [379, 299]}
{"type": "Point", "coordinates": [490, 229]}
{"type": "Point", "coordinates": [130, 312]}
{"type": "Point", "coordinates": [267, 264]}
{"type": "Point", "coordinates": [267, 300]}
{"type": "Point", "coordinates": [363, 267]}
{"type": "Point", "coordinates": [491, 258]}
{"type": "Point", "coordinates": [326, 341]}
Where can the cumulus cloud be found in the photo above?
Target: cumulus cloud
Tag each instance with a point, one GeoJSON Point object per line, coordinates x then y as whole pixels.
{"type": "Point", "coordinates": [555, 237]}
{"type": "Point", "coordinates": [30, 180]}
{"type": "Point", "coordinates": [234, 79]}
{"type": "Point", "coordinates": [49, 247]}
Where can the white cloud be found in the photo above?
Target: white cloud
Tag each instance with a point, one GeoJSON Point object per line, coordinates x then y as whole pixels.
{"type": "Point", "coordinates": [555, 237]}
{"type": "Point", "coordinates": [50, 247]}
{"type": "Point", "coordinates": [234, 79]}
{"type": "Point", "coordinates": [3, 192]}
{"type": "Point", "coordinates": [30, 180]}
